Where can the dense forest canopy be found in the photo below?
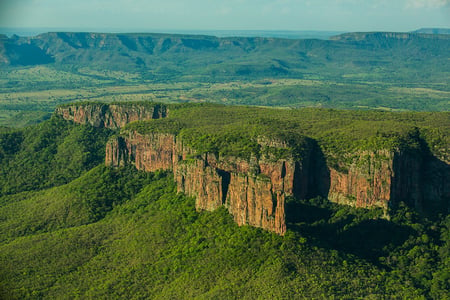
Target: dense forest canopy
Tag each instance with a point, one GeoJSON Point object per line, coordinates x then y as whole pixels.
{"type": "Point", "coordinates": [344, 131]}
{"type": "Point", "coordinates": [72, 227]}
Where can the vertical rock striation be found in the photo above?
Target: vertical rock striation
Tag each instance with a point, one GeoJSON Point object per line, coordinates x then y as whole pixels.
{"type": "Point", "coordinates": [254, 189]}
{"type": "Point", "coordinates": [384, 178]}
{"type": "Point", "coordinates": [366, 183]}
{"type": "Point", "coordinates": [111, 116]}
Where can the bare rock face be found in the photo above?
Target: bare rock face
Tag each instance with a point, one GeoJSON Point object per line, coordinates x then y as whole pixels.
{"type": "Point", "coordinates": [421, 181]}
{"type": "Point", "coordinates": [254, 191]}
{"type": "Point", "coordinates": [205, 183]}
{"type": "Point", "coordinates": [253, 200]}
{"type": "Point", "coordinates": [384, 178]}
{"type": "Point", "coordinates": [110, 115]}
{"type": "Point", "coordinates": [367, 183]}
{"type": "Point", "coordinates": [116, 153]}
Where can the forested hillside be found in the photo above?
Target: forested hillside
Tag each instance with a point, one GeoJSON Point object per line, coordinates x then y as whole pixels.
{"type": "Point", "coordinates": [384, 71]}
{"type": "Point", "coordinates": [75, 228]}
{"type": "Point", "coordinates": [190, 57]}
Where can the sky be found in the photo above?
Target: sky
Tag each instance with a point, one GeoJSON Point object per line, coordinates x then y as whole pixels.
{"type": "Point", "coordinates": [133, 15]}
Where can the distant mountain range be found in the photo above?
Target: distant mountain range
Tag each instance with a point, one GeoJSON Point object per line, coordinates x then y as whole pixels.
{"type": "Point", "coordinates": [290, 34]}
{"type": "Point", "coordinates": [433, 30]}
{"type": "Point", "coordinates": [201, 56]}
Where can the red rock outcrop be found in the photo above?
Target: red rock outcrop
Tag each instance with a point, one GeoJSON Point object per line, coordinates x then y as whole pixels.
{"type": "Point", "coordinates": [112, 116]}
{"type": "Point", "coordinates": [205, 183]}
{"type": "Point", "coordinates": [366, 183]}
{"type": "Point", "coordinates": [254, 190]}
{"type": "Point", "coordinates": [383, 178]}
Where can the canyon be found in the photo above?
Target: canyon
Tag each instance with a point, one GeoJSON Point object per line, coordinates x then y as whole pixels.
{"type": "Point", "coordinates": [255, 189]}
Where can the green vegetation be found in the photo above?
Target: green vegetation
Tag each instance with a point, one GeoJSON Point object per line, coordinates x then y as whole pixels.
{"type": "Point", "coordinates": [151, 243]}
{"type": "Point", "coordinates": [235, 130]}
{"type": "Point", "coordinates": [73, 228]}
{"type": "Point", "coordinates": [51, 153]}
{"type": "Point", "coordinates": [290, 93]}
{"type": "Point", "coordinates": [85, 200]}
{"type": "Point", "coordinates": [13, 118]}
{"type": "Point", "coordinates": [353, 71]}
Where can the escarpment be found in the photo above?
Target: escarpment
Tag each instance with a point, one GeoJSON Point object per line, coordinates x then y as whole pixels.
{"type": "Point", "coordinates": [254, 190]}
{"type": "Point", "coordinates": [366, 182]}
{"type": "Point", "coordinates": [112, 116]}
{"type": "Point", "coordinates": [384, 178]}
{"type": "Point", "coordinates": [255, 184]}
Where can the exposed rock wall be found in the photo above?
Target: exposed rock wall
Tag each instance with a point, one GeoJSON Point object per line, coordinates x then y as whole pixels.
{"type": "Point", "coordinates": [385, 178]}
{"type": "Point", "coordinates": [110, 115]}
{"type": "Point", "coordinates": [421, 180]}
{"type": "Point", "coordinates": [254, 190]}
{"type": "Point", "coordinates": [195, 178]}
{"type": "Point", "coordinates": [367, 182]}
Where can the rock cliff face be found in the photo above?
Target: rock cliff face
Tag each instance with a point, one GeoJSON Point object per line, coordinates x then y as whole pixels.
{"type": "Point", "coordinates": [421, 181]}
{"type": "Point", "coordinates": [385, 178]}
{"type": "Point", "coordinates": [367, 182]}
{"type": "Point", "coordinates": [255, 189]}
{"type": "Point", "coordinates": [111, 115]}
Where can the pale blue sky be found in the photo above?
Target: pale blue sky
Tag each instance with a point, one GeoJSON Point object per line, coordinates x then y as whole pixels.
{"type": "Point", "coordinates": [336, 15]}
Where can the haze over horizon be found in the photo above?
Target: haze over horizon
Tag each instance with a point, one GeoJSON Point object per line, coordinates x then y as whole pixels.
{"type": "Point", "coordinates": [202, 15]}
